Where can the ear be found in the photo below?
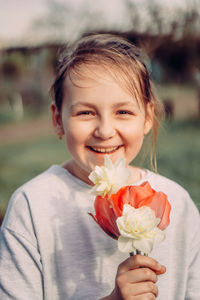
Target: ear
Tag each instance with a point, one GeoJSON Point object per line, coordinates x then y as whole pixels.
{"type": "Point", "coordinates": [149, 118]}
{"type": "Point", "coordinates": [57, 120]}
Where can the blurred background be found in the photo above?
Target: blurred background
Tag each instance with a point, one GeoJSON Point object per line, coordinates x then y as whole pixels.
{"type": "Point", "coordinates": [30, 35]}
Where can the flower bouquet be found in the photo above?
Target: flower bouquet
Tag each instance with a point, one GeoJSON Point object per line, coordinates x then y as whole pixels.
{"type": "Point", "coordinates": [134, 215]}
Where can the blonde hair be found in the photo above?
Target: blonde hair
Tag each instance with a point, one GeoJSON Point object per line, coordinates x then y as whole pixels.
{"type": "Point", "coordinates": [123, 60]}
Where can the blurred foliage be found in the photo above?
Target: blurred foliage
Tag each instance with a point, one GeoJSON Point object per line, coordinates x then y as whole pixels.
{"type": "Point", "coordinates": [13, 65]}
{"type": "Point", "coordinates": [26, 76]}
{"type": "Point", "coordinates": [179, 58]}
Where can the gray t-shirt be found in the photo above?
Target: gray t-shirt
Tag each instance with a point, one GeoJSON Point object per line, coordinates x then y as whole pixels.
{"type": "Point", "coordinates": [50, 248]}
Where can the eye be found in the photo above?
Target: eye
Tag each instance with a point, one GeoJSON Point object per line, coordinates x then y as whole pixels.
{"type": "Point", "coordinates": [85, 112]}
{"type": "Point", "coordinates": [124, 112]}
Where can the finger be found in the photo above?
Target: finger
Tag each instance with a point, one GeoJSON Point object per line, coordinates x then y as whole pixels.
{"type": "Point", "coordinates": [137, 261]}
{"type": "Point", "coordinates": [140, 289]}
{"type": "Point", "coordinates": [140, 275]}
{"type": "Point", "coordinates": [162, 271]}
{"type": "Point", "coordinates": [134, 278]}
{"type": "Point", "coordinates": [148, 296]}
{"type": "Point", "coordinates": [143, 288]}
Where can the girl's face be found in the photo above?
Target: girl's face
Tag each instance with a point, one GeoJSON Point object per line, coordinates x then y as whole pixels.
{"type": "Point", "coordinates": [98, 117]}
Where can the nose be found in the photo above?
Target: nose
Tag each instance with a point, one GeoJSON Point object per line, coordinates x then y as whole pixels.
{"type": "Point", "coordinates": [104, 129]}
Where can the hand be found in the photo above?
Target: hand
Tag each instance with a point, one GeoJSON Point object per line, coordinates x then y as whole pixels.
{"type": "Point", "coordinates": [136, 278]}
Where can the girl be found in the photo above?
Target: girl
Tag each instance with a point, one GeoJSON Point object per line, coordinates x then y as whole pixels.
{"type": "Point", "coordinates": [50, 247]}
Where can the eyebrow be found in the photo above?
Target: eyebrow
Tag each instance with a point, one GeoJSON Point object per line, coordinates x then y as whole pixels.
{"type": "Point", "coordinates": [73, 106]}
{"type": "Point", "coordinates": [115, 105]}
{"type": "Point", "coordinates": [124, 103]}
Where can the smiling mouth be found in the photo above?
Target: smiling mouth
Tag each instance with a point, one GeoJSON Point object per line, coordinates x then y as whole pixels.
{"type": "Point", "coordinates": [104, 150]}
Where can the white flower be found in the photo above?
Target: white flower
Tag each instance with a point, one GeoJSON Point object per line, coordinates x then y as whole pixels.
{"type": "Point", "coordinates": [138, 229]}
{"type": "Point", "coordinates": [109, 178]}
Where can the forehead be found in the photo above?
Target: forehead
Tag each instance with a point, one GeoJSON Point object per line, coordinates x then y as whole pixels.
{"type": "Point", "coordinates": [88, 75]}
{"type": "Point", "coordinates": [94, 85]}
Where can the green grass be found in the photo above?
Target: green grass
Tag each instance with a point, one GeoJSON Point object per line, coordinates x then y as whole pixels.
{"type": "Point", "coordinates": [21, 162]}
{"type": "Point", "coordinates": [179, 155]}
{"type": "Point", "coordinates": [178, 158]}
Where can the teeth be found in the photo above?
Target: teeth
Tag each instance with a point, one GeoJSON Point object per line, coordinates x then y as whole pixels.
{"type": "Point", "coordinates": [104, 150]}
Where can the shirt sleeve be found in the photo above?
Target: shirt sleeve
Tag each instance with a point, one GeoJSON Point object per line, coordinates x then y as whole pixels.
{"type": "Point", "coordinates": [193, 284]}
{"type": "Point", "coordinates": [193, 279]}
{"type": "Point", "coordinates": [20, 262]}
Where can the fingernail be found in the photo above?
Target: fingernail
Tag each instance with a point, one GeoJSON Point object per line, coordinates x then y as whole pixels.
{"type": "Point", "coordinates": [159, 266]}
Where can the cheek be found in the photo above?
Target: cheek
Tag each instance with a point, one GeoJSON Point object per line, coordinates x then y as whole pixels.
{"type": "Point", "coordinates": [133, 139]}
{"type": "Point", "coordinates": [133, 133]}
{"type": "Point", "coordinates": [76, 134]}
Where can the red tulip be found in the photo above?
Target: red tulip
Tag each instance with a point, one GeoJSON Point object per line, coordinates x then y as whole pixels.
{"type": "Point", "coordinates": [109, 208]}
{"type": "Point", "coordinates": [105, 216]}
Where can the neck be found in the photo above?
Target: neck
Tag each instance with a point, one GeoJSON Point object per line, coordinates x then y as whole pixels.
{"type": "Point", "coordinates": [136, 175]}
{"type": "Point", "coordinates": [77, 172]}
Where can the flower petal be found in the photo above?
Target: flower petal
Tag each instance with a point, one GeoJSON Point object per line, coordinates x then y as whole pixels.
{"type": "Point", "coordinates": [140, 226]}
{"type": "Point", "coordinates": [105, 216]}
{"type": "Point", "coordinates": [108, 162]}
{"type": "Point", "coordinates": [160, 235]}
{"type": "Point", "coordinates": [160, 204]}
{"type": "Point", "coordinates": [125, 245]}
{"type": "Point", "coordinates": [113, 175]}
{"type": "Point", "coordinates": [143, 195]}
{"type": "Point", "coordinates": [145, 245]}
{"type": "Point", "coordinates": [142, 191]}
{"type": "Point", "coordinates": [101, 187]}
